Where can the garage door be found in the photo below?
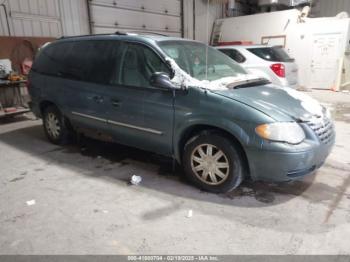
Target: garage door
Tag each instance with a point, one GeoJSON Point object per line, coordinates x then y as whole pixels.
{"type": "Point", "coordinates": [109, 16]}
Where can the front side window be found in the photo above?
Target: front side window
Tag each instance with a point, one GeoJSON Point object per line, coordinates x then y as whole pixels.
{"type": "Point", "coordinates": [201, 61]}
{"type": "Point", "coordinates": [93, 61]}
{"type": "Point", "coordinates": [139, 63]}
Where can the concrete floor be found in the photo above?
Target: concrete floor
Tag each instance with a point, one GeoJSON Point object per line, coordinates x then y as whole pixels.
{"type": "Point", "coordinates": [83, 204]}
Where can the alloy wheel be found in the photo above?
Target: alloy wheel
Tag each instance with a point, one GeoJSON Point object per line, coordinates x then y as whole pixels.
{"type": "Point", "coordinates": [210, 164]}
{"type": "Point", "coordinates": [52, 125]}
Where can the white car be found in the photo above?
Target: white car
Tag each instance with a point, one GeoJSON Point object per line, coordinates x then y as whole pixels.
{"type": "Point", "coordinates": [270, 62]}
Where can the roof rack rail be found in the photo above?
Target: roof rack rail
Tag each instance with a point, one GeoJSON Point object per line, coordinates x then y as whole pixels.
{"type": "Point", "coordinates": [148, 33]}
{"type": "Point", "coordinates": [77, 36]}
{"type": "Point", "coordinates": [116, 33]}
{"type": "Point", "coordinates": [121, 33]}
{"type": "Point", "coordinates": [139, 32]}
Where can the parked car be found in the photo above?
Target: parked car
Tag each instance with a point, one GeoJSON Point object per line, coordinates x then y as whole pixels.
{"type": "Point", "coordinates": [181, 99]}
{"type": "Point", "coordinates": [270, 62]}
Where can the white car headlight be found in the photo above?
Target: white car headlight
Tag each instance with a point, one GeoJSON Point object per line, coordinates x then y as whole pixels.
{"type": "Point", "coordinates": [289, 132]}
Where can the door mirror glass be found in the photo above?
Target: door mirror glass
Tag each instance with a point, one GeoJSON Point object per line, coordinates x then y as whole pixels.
{"type": "Point", "coordinates": [161, 80]}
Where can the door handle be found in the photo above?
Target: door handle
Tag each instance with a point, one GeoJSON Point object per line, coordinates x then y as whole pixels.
{"type": "Point", "coordinates": [115, 102]}
{"type": "Point", "coordinates": [98, 99]}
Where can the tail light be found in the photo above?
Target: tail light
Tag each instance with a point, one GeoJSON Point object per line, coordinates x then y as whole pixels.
{"type": "Point", "coordinates": [279, 70]}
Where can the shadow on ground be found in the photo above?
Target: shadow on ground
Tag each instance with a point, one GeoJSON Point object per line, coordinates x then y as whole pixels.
{"type": "Point", "coordinates": [33, 141]}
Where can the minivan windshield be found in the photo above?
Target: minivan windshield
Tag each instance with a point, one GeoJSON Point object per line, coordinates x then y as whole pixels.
{"type": "Point", "coordinates": [272, 54]}
{"type": "Point", "coordinates": [191, 57]}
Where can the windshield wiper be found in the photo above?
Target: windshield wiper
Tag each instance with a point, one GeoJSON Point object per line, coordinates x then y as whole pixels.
{"type": "Point", "coordinates": [248, 83]}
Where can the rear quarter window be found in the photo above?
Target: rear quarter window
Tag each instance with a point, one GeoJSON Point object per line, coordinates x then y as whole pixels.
{"type": "Point", "coordinates": [273, 54]}
{"type": "Point", "coordinates": [89, 61]}
{"type": "Point", "coordinates": [234, 54]}
{"type": "Point", "coordinates": [50, 60]}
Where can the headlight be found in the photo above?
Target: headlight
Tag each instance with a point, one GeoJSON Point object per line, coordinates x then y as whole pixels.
{"type": "Point", "coordinates": [287, 132]}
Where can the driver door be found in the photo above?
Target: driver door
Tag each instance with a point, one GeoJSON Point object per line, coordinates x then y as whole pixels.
{"type": "Point", "coordinates": [142, 115]}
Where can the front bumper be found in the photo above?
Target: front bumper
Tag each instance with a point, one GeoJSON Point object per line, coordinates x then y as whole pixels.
{"type": "Point", "coordinates": [285, 166]}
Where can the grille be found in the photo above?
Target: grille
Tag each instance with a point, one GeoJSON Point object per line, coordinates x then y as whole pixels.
{"type": "Point", "coordinates": [323, 128]}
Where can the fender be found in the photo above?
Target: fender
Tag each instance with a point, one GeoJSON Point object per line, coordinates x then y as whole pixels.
{"type": "Point", "coordinates": [230, 127]}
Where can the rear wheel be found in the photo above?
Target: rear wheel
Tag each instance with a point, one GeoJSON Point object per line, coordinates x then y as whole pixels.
{"type": "Point", "coordinates": [55, 126]}
{"type": "Point", "coordinates": [213, 163]}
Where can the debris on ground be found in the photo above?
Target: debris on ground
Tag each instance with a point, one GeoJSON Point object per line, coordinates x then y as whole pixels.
{"type": "Point", "coordinates": [190, 213]}
{"type": "Point", "coordinates": [246, 190]}
{"type": "Point", "coordinates": [135, 180]}
{"type": "Point", "coordinates": [31, 202]}
{"type": "Point", "coordinates": [102, 211]}
{"type": "Point", "coordinates": [16, 179]}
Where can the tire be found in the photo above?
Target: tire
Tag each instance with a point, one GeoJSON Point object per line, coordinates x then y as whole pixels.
{"type": "Point", "coordinates": [202, 168]}
{"type": "Point", "coordinates": [56, 127]}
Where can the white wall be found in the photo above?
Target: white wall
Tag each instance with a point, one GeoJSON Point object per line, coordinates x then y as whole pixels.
{"type": "Point", "coordinates": [253, 27]}
{"type": "Point", "coordinates": [302, 45]}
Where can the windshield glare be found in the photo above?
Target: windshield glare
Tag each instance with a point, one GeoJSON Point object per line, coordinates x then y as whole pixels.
{"type": "Point", "coordinates": [191, 57]}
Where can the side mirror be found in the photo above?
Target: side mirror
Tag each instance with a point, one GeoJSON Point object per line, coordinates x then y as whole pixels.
{"type": "Point", "coordinates": [161, 80]}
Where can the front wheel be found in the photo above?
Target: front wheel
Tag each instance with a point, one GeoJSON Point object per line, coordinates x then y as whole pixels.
{"type": "Point", "coordinates": [213, 163]}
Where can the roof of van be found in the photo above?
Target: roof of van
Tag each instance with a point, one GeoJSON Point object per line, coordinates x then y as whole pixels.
{"type": "Point", "coordinates": [129, 36]}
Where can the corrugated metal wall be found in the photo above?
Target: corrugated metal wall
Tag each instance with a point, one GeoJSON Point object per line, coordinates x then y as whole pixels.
{"type": "Point", "coordinates": [43, 18]}
{"type": "Point", "coordinates": [195, 16]}
{"type": "Point", "coordinates": [4, 23]}
{"type": "Point", "coordinates": [74, 17]}
{"type": "Point", "coordinates": [188, 19]}
{"type": "Point", "coordinates": [54, 18]}
{"type": "Point", "coordinates": [35, 18]}
{"type": "Point", "coordinates": [325, 8]}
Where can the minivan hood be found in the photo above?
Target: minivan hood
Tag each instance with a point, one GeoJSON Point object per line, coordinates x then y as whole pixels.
{"type": "Point", "coordinates": [281, 104]}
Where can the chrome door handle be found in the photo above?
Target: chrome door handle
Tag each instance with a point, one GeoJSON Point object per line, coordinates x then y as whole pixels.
{"type": "Point", "coordinates": [98, 99]}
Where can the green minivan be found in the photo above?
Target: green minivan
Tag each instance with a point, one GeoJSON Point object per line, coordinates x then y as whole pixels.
{"type": "Point", "coordinates": [181, 99]}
